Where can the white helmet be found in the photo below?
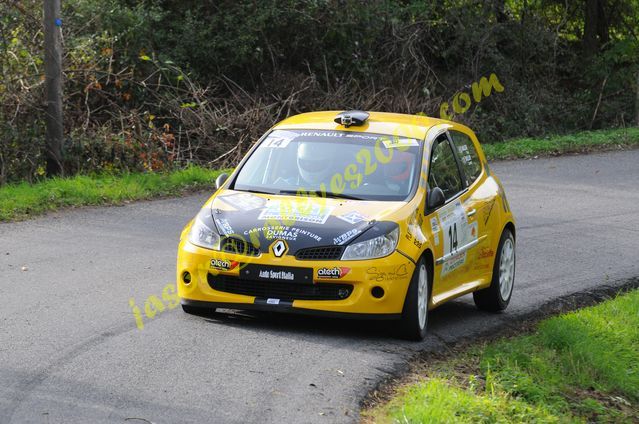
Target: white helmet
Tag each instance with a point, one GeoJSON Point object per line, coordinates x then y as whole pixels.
{"type": "Point", "coordinates": [313, 162]}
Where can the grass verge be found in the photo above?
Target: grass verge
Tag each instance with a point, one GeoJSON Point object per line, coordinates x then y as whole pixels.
{"type": "Point", "coordinates": [578, 367]}
{"type": "Point", "coordinates": [18, 201]}
{"type": "Point", "coordinates": [555, 145]}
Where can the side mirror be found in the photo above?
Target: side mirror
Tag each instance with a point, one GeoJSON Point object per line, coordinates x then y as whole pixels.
{"type": "Point", "coordinates": [220, 180]}
{"type": "Point", "coordinates": [435, 198]}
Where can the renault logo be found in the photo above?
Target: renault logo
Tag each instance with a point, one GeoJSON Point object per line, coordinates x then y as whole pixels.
{"type": "Point", "coordinates": [279, 248]}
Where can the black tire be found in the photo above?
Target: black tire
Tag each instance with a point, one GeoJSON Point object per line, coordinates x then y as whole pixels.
{"type": "Point", "coordinates": [410, 327]}
{"type": "Point", "coordinates": [491, 298]}
{"type": "Point", "coordinates": [196, 310]}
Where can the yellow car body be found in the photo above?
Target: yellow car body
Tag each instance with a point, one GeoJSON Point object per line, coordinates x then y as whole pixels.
{"type": "Point", "coordinates": [457, 241]}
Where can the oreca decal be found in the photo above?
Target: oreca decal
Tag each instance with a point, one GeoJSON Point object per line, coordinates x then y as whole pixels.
{"type": "Point", "coordinates": [335, 272]}
{"type": "Point", "coordinates": [223, 264]}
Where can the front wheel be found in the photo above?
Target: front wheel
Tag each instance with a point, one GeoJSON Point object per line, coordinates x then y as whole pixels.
{"type": "Point", "coordinates": [415, 313]}
{"type": "Point", "coordinates": [496, 297]}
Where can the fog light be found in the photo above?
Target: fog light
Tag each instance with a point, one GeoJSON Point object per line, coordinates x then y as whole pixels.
{"type": "Point", "coordinates": [186, 277]}
{"type": "Point", "coordinates": [342, 293]}
{"type": "Point", "coordinates": [377, 292]}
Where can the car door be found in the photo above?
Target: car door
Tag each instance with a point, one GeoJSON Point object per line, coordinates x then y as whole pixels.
{"type": "Point", "coordinates": [449, 223]}
{"type": "Point", "coordinates": [478, 199]}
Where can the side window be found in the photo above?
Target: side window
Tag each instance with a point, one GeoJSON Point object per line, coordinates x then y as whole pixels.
{"type": "Point", "coordinates": [467, 156]}
{"type": "Point", "coordinates": [444, 172]}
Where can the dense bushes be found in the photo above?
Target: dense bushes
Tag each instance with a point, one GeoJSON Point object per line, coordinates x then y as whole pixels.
{"type": "Point", "coordinates": [160, 83]}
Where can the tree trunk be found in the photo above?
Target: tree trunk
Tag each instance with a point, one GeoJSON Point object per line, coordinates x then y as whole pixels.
{"type": "Point", "coordinates": [596, 26]}
{"type": "Point", "coordinates": [590, 42]}
{"type": "Point", "coordinates": [603, 26]}
{"type": "Point", "coordinates": [53, 83]}
{"type": "Point", "coordinates": [499, 8]}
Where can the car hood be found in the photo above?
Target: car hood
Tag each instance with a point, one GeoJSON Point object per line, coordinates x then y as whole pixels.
{"type": "Point", "coordinates": [302, 221]}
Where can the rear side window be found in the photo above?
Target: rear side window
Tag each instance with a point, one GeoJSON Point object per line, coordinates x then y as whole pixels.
{"type": "Point", "coordinates": [467, 156]}
{"type": "Point", "coordinates": [444, 172]}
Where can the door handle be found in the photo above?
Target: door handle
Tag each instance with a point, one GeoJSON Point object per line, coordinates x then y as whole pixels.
{"type": "Point", "coordinates": [471, 212]}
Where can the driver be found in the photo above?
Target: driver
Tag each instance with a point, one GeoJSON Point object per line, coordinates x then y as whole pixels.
{"type": "Point", "coordinates": [313, 162]}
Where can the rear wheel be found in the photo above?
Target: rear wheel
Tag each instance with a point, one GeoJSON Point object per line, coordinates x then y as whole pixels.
{"type": "Point", "coordinates": [415, 313]}
{"type": "Point", "coordinates": [496, 297]}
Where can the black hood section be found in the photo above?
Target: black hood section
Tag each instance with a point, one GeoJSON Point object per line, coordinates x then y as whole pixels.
{"type": "Point", "coordinates": [259, 222]}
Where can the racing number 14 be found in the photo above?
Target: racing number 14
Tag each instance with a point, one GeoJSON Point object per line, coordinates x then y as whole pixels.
{"type": "Point", "coordinates": [452, 236]}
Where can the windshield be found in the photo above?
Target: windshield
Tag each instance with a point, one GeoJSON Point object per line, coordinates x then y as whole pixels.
{"type": "Point", "coordinates": [333, 164]}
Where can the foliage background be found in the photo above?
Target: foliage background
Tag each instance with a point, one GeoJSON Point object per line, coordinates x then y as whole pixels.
{"type": "Point", "coordinates": [157, 84]}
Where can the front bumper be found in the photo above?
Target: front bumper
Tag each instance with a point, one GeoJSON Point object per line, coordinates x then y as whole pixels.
{"type": "Point", "coordinates": [391, 274]}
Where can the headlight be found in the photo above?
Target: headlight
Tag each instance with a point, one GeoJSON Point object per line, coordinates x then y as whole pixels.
{"type": "Point", "coordinates": [376, 247]}
{"type": "Point", "coordinates": [203, 232]}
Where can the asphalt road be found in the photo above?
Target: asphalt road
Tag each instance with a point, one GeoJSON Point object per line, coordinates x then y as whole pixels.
{"type": "Point", "coordinates": [70, 350]}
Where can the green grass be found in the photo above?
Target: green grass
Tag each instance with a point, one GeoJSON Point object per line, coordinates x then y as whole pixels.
{"type": "Point", "coordinates": [578, 367]}
{"type": "Point", "coordinates": [18, 201]}
{"type": "Point", "coordinates": [554, 145]}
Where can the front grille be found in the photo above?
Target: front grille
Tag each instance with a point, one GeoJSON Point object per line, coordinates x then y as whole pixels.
{"type": "Point", "coordinates": [320, 253]}
{"type": "Point", "coordinates": [240, 247]}
{"type": "Point", "coordinates": [280, 289]}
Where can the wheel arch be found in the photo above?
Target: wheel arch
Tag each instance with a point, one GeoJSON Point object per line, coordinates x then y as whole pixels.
{"type": "Point", "coordinates": [510, 226]}
{"type": "Point", "coordinates": [427, 254]}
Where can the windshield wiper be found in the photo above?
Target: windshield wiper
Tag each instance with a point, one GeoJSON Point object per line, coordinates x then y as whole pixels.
{"type": "Point", "coordinates": [320, 193]}
{"type": "Point", "coordinates": [257, 191]}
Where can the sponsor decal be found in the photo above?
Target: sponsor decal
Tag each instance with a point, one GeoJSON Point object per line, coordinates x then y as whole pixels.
{"type": "Point", "coordinates": [279, 248]}
{"type": "Point", "coordinates": [504, 201]}
{"type": "Point", "coordinates": [343, 238]}
{"type": "Point", "coordinates": [454, 222]}
{"type": "Point", "coordinates": [399, 142]}
{"type": "Point", "coordinates": [416, 240]}
{"type": "Point", "coordinates": [288, 211]}
{"type": "Point", "coordinates": [278, 139]}
{"type": "Point", "coordinates": [224, 226]}
{"type": "Point", "coordinates": [453, 263]}
{"type": "Point", "coordinates": [307, 233]}
{"type": "Point", "coordinates": [322, 134]}
{"type": "Point", "coordinates": [487, 211]}
{"type": "Point", "coordinates": [277, 275]}
{"type": "Point", "coordinates": [284, 232]}
{"type": "Point", "coordinates": [361, 136]}
{"type": "Point", "coordinates": [414, 229]}
{"type": "Point", "coordinates": [398, 273]}
{"type": "Point", "coordinates": [223, 264]}
{"type": "Point", "coordinates": [271, 301]}
{"type": "Point", "coordinates": [243, 201]}
{"type": "Point", "coordinates": [334, 272]}
{"type": "Point", "coordinates": [457, 233]}
{"type": "Point", "coordinates": [280, 233]}
{"type": "Point", "coordinates": [353, 217]}
{"type": "Point", "coordinates": [434, 226]}
{"type": "Point", "coordinates": [486, 252]}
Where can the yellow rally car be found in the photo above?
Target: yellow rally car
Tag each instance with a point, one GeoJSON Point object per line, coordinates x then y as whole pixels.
{"type": "Point", "coordinates": [353, 214]}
